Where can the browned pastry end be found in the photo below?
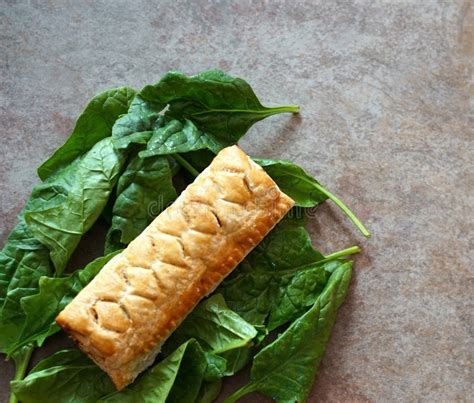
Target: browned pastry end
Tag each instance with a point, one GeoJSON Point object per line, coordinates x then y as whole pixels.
{"type": "Point", "coordinates": [123, 316]}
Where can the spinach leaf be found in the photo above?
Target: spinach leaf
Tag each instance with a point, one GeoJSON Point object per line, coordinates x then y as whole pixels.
{"type": "Point", "coordinates": [217, 103]}
{"type": "Point", "coordinates": [294, 181]}
{"type": "Point", "coordinates": [281, 277]}
{"type": "Point", "coordinates": [54, 294]}
{"type": "Point", "coordinates": [216, 367]}
{"type": "Point", "coordinates": [216, 327]}
{"type": "Point", "coordinates": [285, 369]}
{"type": "Point", "coordinates": [220, 331]}
{"type": "Point", "coordinates": [237, 359]}
{"type": "Point", "coordinates": [258, 288]}
{"type": "Point", "coordinates": [67, 376]}
{"type": "Point", "coordinates": [94, 124]}
{"type": "Point", "coordinates": [70, 376]}
{"type": "Point", "coordinates": [180, 136]}
{"type": "Point", "coordinates": [88, 183]}
{"type": "Point", "coordinates": [303, 188]}
{"type": "Point", "coordinates": [22, 250]}
{"type": "Point", "coordinates": [138, 124]}
{"type": "Point", "coordinates": [209, 391]}
{"type": "Point", "coordinates": [177, 378]}
{"type": "Point", "coordinates": [144, 190]}
{"type": "Point", "coordinates": [58, 213]}
{"type": "Point", "coordinates": [23, 261]}
{"type": "Point", "coordinates": [21, 357]}
{"type": "Point", "coordinates": [298, 291]}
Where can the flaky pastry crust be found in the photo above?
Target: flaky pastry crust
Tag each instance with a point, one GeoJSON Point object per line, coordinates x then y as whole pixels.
{"type": "Point", "coordinates": [123, 316]}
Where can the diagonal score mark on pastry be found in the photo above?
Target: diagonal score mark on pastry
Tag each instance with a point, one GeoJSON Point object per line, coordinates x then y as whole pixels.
{"type": "Point", "coordinates": [124, 315]}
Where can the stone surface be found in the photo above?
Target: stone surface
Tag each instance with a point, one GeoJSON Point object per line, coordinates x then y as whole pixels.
{"type": "Point", "coordinates": [385, 123]}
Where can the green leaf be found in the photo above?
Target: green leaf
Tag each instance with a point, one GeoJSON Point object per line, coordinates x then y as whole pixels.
{"type": "Point", "coordinates": [22, 358]}
{"type": "Point", "coordinates": [216, 367]}
{"type": "Point", "coordinates": [293, 181]}
{"type": "Point", "coordinates": [285, 259]}
{"type": "Point", "coordinates": [54, 294]}
{"type": "Point", "coordinates": [217, 103]}
{"type": "Point", "coordinates": [216, 327]}
{"type": "Point", "coordinates": [144, 190]}
{"type": "Point", "coordinates": [23, 261]}
{"type": "Point", "coordinates": [190, 376]}
{"type": "Point", "coordinates": [209, 391]}
{"type": "Point", "coordinates": [237, 359]}
{"type": "Point", "coordinates": [220, 331]}
{"type": "Point", "coordinates": [297, 292]}
{"type": "Point", "coordinates": [58, 213]}
{"type": "Point", "coordinates": [177, 378]}
{"type": "Point", "coordinates": [138, 124]}
{"type": "Point", "coordinates": [180, 136]}
{"type": "Point", "coordinates": [304, 189]}
{"type": "Point", "coordinates": [67, 376]}
{"type": "Point", "coordinates": [285, 369]}
{"type": "Point", "coordinates": [22, 251]}
{"type": "Point", "coordinates": [94, 124]}
{"type": "Point", "coordinates": [88, 184]}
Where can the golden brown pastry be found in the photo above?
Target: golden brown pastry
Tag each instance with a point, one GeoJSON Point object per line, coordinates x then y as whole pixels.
{"type": "Point", "coordinates": [124, 315]}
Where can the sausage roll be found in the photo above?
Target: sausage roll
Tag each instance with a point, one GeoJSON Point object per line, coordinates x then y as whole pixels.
{"type": "Point", "coordinates": [123, 316]}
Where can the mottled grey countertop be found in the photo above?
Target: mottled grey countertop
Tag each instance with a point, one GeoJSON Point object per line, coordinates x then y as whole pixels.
{"type": "Point", "coordinates": [384, 91]}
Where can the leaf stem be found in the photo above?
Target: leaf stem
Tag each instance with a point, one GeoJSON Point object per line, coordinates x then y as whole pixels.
{"type": "Point", "coordinates": [21, 362]}
{"type": "Point", "coordinates": [344, 252]}
{"type": "Point", "coordinates": [345, 209]}
{"type": "Point", "coordinates": [185, 164]}
{"type": "Point", "coordinates": [266, 111]}
{"type": "Point", "coordinates": [285, 108]}
{"type": "Point", "coordinates": [249, 388]}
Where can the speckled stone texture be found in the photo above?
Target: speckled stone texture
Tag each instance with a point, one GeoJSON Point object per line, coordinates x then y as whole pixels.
{"type": "Point", "coordinates": [385, 123]}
